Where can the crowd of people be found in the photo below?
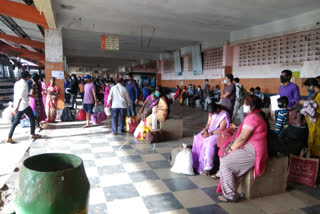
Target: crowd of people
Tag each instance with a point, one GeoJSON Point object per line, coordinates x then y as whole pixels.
{"type": "Point", "coordinates": [245, 148]}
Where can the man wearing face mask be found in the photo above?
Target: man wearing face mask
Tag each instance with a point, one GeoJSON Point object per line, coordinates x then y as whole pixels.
{"type": "Point", "coordinates": [289, 89]}
{"type": "Point", "coordinates": [228, 96]}
{"type": "Point", "coordinates": [199, 95]}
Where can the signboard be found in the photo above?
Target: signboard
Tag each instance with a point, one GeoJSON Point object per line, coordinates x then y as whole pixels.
{"type": "Point", "coordinates": [57, 74]}
{"type": "Point", "coordinates": [110, 43]}
{"type": "Point", "coordinates": [295, 74]}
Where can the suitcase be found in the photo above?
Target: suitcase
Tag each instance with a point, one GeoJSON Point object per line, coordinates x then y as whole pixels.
{"type": "Point", "coordinates": [156, 136]}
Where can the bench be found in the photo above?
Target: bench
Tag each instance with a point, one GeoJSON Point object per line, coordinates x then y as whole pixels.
{"type": "Point", "coordinates": [173, 125]}
{"type": "Point", "coordinates": [272, 181]}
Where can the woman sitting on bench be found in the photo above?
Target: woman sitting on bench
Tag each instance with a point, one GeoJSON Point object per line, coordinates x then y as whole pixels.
{"type": "Point", "coordinates": [146, 108]}
{"type": "Point", "coordinates": [247, 149]}
{"type": "Point", "coordinates": [205, 143]}
{"type": "Point", "coordinates": [159, 112]}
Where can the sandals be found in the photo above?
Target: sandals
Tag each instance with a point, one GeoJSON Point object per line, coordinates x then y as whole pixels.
{"type": "Point", "coordinates": [241, 196]}
{"type": "Point", "coordinates": [35, 136]}
{"type": "Point", "coordinates": [215, 176]}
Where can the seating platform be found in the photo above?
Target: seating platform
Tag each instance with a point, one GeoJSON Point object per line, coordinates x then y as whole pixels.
{"type": "Point", "coordinates": [273, 181]}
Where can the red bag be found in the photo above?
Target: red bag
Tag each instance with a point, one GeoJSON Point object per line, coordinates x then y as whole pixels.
{"type": "Point", "coordinates": [133, 123]}
{"type": "Point", "coordinates": [303, 170]}
{"type": "Point", "coordinates": [225, 135]}
{"type": "Point", "coordinates": [81, 115]}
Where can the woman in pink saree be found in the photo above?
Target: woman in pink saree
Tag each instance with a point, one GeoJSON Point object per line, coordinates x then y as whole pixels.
{"type": "Point", "coordinates": [52, 98]}
{"type": "Point", "coordinates": [205, 143]}
{"type": "Point", "coordinates": [106, 95]}
{"type": "Point", "coordinates": [35, 100]}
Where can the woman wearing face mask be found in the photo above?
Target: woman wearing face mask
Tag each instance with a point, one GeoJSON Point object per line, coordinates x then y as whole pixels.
{"type": "Point", "coordinates": [247, 149]}
{"type": "Point", "coordinates": [204, 144]}
{"type": "Point", "coordinates": [228, 96]}
{"type": "Point", "coordinates": [146, 108]}
{"type": "Point", "coordinates": [161, 109]}
{"type": "Point", "coordinates": [313, 120]}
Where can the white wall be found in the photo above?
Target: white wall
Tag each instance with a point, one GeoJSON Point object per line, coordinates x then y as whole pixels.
{"type": "Point", "coordinates": [293, 24]}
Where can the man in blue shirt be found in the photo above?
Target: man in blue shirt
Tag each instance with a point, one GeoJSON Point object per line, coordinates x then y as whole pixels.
{"type": "Point", "coordinates": [132, 88]}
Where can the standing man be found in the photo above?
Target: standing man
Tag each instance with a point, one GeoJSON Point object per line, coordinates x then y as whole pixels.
{"type": "Point", "coordinates": [21, 106]}
{"type": "Point", "coordinates": [120, 100]}
{"type": "Point", "coordinates": [74, 88]}
{"type": "Point", "coordinates": [132, 88]}
{"type": "Point", "coordinates": [237, 103]}
{"type": "Point", "coordinates": [89, 99]}
{"type": "Point", "coordinates": [289, 89]}
{"type": "Point", "coordinates": [228, 96]}
{"type": "Point", "coordinates": [206, 94]}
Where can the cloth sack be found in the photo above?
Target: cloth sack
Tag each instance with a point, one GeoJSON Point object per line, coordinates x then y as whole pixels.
{"type": "Point", "coordinates": [81, 115]}
{"type": "Point", "coordinates": [8, 114]}
{"type": "Point", "coordinates": [183, 163]}
{"type": "Point", "coordinates": [107, 111]}
{"type": "Point", "coordinates": [303, 170]}
{"type": "Point", "coordinates": [175, 151]}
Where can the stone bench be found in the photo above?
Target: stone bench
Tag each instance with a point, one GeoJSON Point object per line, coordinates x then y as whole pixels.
{"type": "Point", "coordinates": [173, 126]}
{"type": "Point", "coordinates": [272, 181]}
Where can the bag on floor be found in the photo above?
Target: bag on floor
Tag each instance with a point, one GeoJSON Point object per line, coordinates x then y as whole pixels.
{"type": "Point", "coordinates": [156, 136]}
{"type": "Point", "coordinates": [67, 115]}
{"type": "Point", "coordinates": [24, 123]}
{"type": "Point", "coordinates": [137, 132]}
{"type": "Point", "coordinates": [132, 123]}
{"type": "Point", "coordinates": [8, 113]}
{"type": "Point", "coordinates": [81, 115]}
{"type": "Point", "coordinates": [175, 151]}
{"type": "Point", "coordinates": [303, 170]}
{"type": "Point", "coordinates": [183, 163]}
{"type": "Point", "coordinates": [97, 118]}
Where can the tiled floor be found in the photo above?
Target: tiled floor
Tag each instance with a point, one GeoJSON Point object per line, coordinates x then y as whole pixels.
{"type": "Point", "coordinates": [128, 176]}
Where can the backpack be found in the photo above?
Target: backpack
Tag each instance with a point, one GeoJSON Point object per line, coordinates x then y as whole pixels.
{"type": "Point", "coordinates": [67, 115]}
{"type": "Point", "coordinates": [243, 93]}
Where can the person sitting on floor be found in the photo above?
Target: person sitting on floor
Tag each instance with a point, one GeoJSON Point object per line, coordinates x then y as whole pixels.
{"type": "Point", "coordinates": [247, 149]}
{"type": "Point", "coordinates": [283, 114]}
{"type": "Point", "coordinates": [159, 112]}
{"type": "Point", "coordinates": [204, 143]}
{"type": "Point", "coordinates": [147, 106]}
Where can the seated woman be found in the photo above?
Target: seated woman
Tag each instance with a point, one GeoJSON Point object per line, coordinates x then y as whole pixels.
{"type": "Point", "coordinates": [312, 120]}
{"type": "Point", "coordinates": [247, 149]}
{"type": "Point", "coordinates": [146, 108]}
{"type": "Point", "coordinates": [159, 112]}
{"type": "Point", "coordinates": [204, 144]}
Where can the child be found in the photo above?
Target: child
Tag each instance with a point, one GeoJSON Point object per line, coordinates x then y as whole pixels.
{"type": "Point", "coordinates": [283, 114]}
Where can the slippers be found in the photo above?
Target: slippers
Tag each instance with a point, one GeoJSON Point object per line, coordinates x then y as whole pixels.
{"type": "Point", "coordinates": [224, 199]}
{"type": "Point", "coordinates": [215, 176]}
{"type": "Point", "coordinates": [86, 126]}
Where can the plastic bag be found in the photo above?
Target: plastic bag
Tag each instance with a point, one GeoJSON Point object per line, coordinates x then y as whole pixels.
{"type": "Point", "coordinates": [107, 110]}
{"type": "Point", "coordinates": [137, 133]}
{"type": "Point", "coordinates": [8, 113]}
{"type": "Point", "coordinates": [183, 163]}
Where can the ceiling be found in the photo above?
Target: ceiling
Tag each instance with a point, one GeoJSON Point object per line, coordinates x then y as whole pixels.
{"type": "Point", "coordinates": [162, 25]}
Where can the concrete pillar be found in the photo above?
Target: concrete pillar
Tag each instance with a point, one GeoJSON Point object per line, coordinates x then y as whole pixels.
{"type": "Point", "coordinates": [54, 60]}
{"type": "Point", "coordinates": [227, 61]}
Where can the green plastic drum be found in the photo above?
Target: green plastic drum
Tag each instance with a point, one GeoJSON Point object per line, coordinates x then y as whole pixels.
{"type": "Point", "coordinates": [52, 183]}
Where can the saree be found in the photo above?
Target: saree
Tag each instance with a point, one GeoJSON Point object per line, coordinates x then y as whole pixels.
{"type": "Point", "coordinates": [51, 103]}
{"type": "Point", "coordinates": [36, 104]}
{"type": "Point", "coordinates": [204, 149]}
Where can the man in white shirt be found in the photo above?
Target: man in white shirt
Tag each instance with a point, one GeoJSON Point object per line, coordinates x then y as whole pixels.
{"type": "Point", "coordinates": [21, 106]}
{"type": "Point", "coordinates": [120, 100]}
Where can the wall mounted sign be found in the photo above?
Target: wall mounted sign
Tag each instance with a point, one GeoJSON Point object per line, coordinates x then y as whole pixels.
{"type": "Point", "coordinates": [57, 74]}
{"type": "Point", "coordinates": [110, 43]}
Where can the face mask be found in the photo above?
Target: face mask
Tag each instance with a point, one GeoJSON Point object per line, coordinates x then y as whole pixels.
{"type": "Point", "coordinates": [283, 79]}
{"type": "Point", "coordinates": [199, 89]}
{"type": "Point", "coordinates": [225, 81]}
{"type": "Point", "coordinates": [156, 94]}
{"type": "Point", "coordinates": [246, 109]}
{"type": "Point", "coordinates": [310, 90]}
{"type": "Point", "coordinates": [258, 92]}
{"type": "Point", "coordinates": [206, 83]}
{"type": "Point", "coordinates": [280, 105]}
{"type": "Point", "coordinates": [251, 93]}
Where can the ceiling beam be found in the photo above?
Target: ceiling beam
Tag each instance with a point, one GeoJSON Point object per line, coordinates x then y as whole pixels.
{"type": "Point", "coordinates": [12, 25]}
{"type": "Point", "coordinates": [24, 52]}
{"type": "Point", "coordinates": [45, 6]}
{"type": "Point", "coordinates": [19, 40]}
{"type": "Point", "coordinates": [23, 12]}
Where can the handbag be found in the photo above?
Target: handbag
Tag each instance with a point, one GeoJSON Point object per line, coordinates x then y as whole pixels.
{"type": "Point", "coordinates": [81, 115]}
{"type": "Point", "coordinates": [303, 170]}
{"type": "Point", "coordinates": [224, 149]}
{"type": "Point", "coordinates": [224, 135]}
{"type": "Point", "coordinates": [156, 136]}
